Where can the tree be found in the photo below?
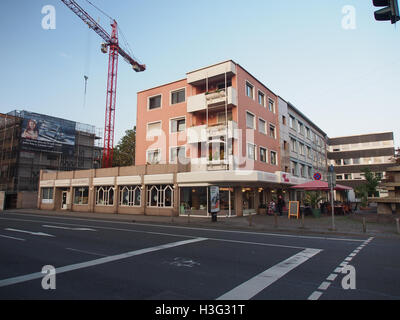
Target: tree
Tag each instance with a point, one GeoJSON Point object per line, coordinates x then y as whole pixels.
{"type": "Point", "coordinates": [124, 151]}
{"type": "Point", "coordinates": [372, 181]}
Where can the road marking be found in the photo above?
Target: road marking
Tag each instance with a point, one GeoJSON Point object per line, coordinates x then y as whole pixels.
{"type": "Point", "coordinates": [255, 285]}
{"type": "Point", "coordinates": [324, 285]}
{"type": "Point", "coordinates": [87, 252]}
{"type": "Point", "coordinates": [315, 295]}
{"type": "Point", "coordinates": [30, 232]}
{"type": "Point", "coordinates": [68, 228]}
{"type": "Point", "coordinates": [179, 235]}
{"type": "Point", "coordinates": [8, 237]}
{"type": "Point", "coordinates": [77, 266]}
{"type": "Point", "coordinates": [331, 277]}
{"type": "Point", "coordinates": [174, 227]}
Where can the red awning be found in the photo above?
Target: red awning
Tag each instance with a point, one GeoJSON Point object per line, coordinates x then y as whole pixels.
{"type": "Point", "coordinates": [319, 185]}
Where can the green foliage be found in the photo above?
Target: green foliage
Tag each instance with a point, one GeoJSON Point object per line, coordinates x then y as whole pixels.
{"type": "Point", "coordinates": [361, 193]}
{"type": "Point", "coordinates": [124, 152]}
{"type": "Point", "coordinates": [372, 182]}
{"type": "Point", "coordinates": [312, 198]}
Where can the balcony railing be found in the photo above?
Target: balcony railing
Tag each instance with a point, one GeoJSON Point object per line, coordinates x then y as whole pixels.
{"type": "Point", "coordinates": [212, 99]}
{"type": "Point", "coordinates": [202, 133]}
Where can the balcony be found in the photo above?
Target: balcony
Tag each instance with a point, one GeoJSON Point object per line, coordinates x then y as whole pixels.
{"type": "Point", "coordinates": [211, 73]}
{"type": "Point", "coordinates": [213, 164]}
{"type": "Point", "coordinates": [202, 133]}
{"type": "Point", "coordinates": [214, 99]}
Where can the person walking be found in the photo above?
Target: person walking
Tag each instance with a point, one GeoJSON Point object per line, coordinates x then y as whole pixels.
{"type": "Point", "coordinates": [271, 207]}
{"type": "Point", "coordinates": [280, 205]}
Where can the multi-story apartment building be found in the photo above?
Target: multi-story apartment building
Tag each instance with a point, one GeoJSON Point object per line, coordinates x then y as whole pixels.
{"type": "Point", "coordinates": [30, 142]}
{"type": "Point", "coordinates": [303, 144]}
{"type": "Point", "coordinates": [351, 154]}
{"type": "Point", "coordinates": [212, 139]}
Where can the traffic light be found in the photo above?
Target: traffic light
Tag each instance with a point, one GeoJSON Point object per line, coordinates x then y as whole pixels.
{"type": "Point", "coordinates": [390, 12]}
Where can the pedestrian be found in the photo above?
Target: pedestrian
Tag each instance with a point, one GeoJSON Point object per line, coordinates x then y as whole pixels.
{"type": "Point", "coordinates": [271, 207]}
{"type": "Point", "coordinates": [280, 205]}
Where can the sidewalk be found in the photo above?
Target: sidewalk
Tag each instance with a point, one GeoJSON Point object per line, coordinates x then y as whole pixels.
{"type": "Point", "coordinates": [349, 225]}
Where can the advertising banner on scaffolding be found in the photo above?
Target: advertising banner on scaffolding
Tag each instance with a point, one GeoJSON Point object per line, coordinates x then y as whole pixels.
{"type": "Point", "coordinates": [49, 134]}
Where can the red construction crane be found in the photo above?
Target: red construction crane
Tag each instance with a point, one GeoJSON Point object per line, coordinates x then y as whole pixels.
{"type": "Point", "coordinates": [111, 44]}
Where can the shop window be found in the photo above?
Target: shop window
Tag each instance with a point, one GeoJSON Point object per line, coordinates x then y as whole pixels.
{"type": "Point", "coordinates": [81, 195]}
{"type": "Point", "coordinates": [130, 196]}
{"type": "Point", "coordinates": [105, 196]}
{"type": "Point", "coordinates": [47, 195]}
{"type": "Point", "coordinates": [160, 196]}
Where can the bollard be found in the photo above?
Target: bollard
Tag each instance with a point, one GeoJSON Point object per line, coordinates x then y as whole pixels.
{"type": "Point", "coordinates": [398, 225]}
{"type": "Point", "coordinates": [189, 216]}
{"type": "Point", "coordinates": [364, 226]}
{"type": "Point", "coordinates": [275, 220]}
{"type": "Point", "coordinates": [250, 220]}
{"type": "Point", "coordinates": [302, 220]}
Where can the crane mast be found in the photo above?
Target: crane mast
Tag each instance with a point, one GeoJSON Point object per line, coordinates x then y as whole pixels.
{"type": "Point", "coordinates": [111, 44]}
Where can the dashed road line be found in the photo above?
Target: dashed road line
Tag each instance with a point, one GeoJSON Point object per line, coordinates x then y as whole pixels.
{"type": "Point", "coordinates": [325, 284]}
{"type": "Point", "coordinates": [255, 285]}
{"type": "Point", "coordinates": [14, 238]}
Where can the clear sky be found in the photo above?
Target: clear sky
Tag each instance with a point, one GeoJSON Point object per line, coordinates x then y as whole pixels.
{"type": "Point", "coordinates": [346, 80]}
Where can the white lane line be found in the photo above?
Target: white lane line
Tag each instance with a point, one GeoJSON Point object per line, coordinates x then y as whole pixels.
{"type": "Point", "coordinates": [30, 232]}
{"type": "Point", "coordinates": [77, 266]}
{"type": "Point", "coordinates": [331, 277]}
{"type": "Point", "coordinates": [315, 295]}
{"type": "Point", "coordinates": [8, 237]}
{"type": "Point", "coordinates": [185, 236]}
{"type": "Point", "coordinates": [68, 228]}
{"type": "Point", "coordinates": [87, 252]}
{"type": "Point", "coordinates": [255, 285]}
{"type": "Point", "coordinates": [173, 227]}
{"type": "Point", "coordinates": [324, 285]}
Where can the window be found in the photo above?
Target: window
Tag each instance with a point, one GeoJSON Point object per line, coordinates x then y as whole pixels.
{"type": "Point", "coordinates": [177, 153]}
{"type": "Point", "coordinates": [249, 90]}
{"type": "Point", "coordinates": [250, 118]}
{"type": "Point", "coordinates": [178, 125]}
{"type": "Point", "coordinates": [308, 133]}
{"type": "Point", "coordinates": [261, 126]}
{"type": "Point", "coordinates": [309, 154]}
{"type": "Point", "coordinates": [274, 160]}
{"type": "Point", "coordinates": [221, 117]}
{"type": "Point", "coordinates": [301, 128]}
{"type": "Point", "coordinates": [263, 154]}
{"type": "Point", "coordinates": [105, 196]}
{"type": "Point", "coordinates": [178, 96]}
{"type": "Point", "coordinates": [130, 196]}
{"type": "Point", "coordinates": [291, 122]}
{"type": "Point", "coordinates": [261, 98]}
{"type": "Point", "coordinates": [284, 120]}
{"type": "Point", "coordinates": [293, 144]}
{"type": "Point", "coordinates": [302, 150]}
{"type": "Point", "coordinates": [47, 195]}
{"type": "Point", "coordinates": [272, 131]}
{"type": "Point", "coordinates": [293, 168]}
{"type": "Point", "coordinates": [346, 161]}
{"type": "Point", "coordinates": [310, 172]}
{"type": "Point", "coordinates": [338, 162]}
{"type": "Point", "coordinates": [251, 151]}
{"type": "Point", "coordinates": [347, 176]}
{"type": "Point", "coordinates": [271, 105]}
{"type": "Point", "coordinates": [153, 156]}
{"type": "Point", "coordinates": [81, 195]}
{"type": "Point", "coordinates": [285, 145]}
{"type": "Point", "coordinates": [221, 85]}
{"type": "Point", "coordinates": [160, 196]}
{"type": "Point", "coordinates": [155, 102]}
{"type": "Point", "coordinates": [302, 170]}
{"type": "Point", "coordinates": [154, 129]}
{"type": "Point", "coordinates": [339, 177]}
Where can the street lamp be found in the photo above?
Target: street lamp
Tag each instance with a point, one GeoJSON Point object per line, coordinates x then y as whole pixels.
{"type": "Point", "coordinates": [332, 184]}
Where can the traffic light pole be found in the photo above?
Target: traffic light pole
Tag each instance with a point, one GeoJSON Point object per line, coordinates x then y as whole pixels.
{"type": "Point", "coordinates": [332, 183]}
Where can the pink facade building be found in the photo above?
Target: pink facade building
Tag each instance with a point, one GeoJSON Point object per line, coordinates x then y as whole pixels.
{"type": "Point", "coordinates": [224, 123]}
{"type": "Point", "coordinates": [209, 141]}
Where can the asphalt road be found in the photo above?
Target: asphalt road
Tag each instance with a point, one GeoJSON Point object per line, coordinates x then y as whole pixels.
{"type": "Point", "coordinates": [98, 259]}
